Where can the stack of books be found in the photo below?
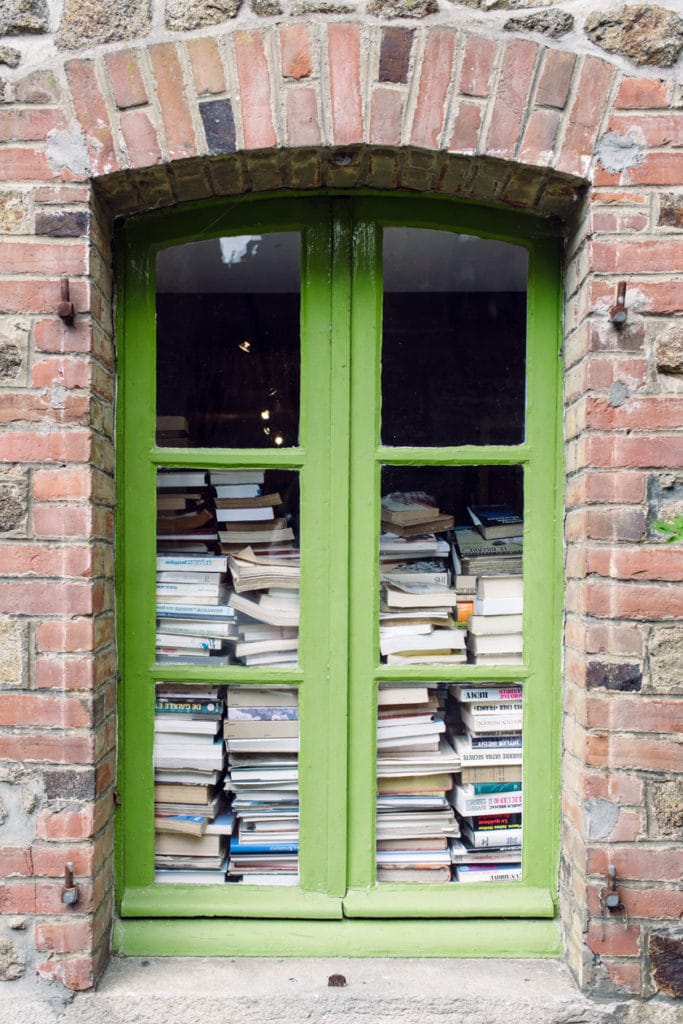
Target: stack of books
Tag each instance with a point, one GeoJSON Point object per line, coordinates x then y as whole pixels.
{"type": "Point", "coordinates": [185, 513]}
{"type": "Point", "coordinates": [172, 432]}
{"type": "Point", "coordinates": [264, 566]}
{"type": "Point", "coordinates": [485, 725]}
{"type": "Point", "coordinates": [191, 820]}
{"type": "Point", "coordinates": [417, 625]}
{"type": "Point", "coordinates": [261, 732]}
{"type": "Point", "coordinates": [194, 619]}
{"type": "Point", "coordinates": [495, 630]}
{"type": "Point", "coordinates": [415, 768]}
{"type": "Point", "coordinates": [413, 514]}
{"type": "Point", "coordinates": [245, 514]}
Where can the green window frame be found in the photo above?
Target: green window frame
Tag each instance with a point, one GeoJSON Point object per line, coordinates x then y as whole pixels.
{"type": "Point", "coordinates": [338, 908]}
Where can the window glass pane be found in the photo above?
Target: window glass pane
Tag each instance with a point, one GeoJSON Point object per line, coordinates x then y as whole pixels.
{"type": "Point", "coordinates": [453, 339]}
{"type": "Point", "coordinates": [226, 804]}
{"type": "Point", "coordinates": [228, 349]}
{"type": "Point", "coordinates": [228, 567]}
{"type": "Point", "coordinates": [451, 565]}
{"type": "Point", "coordinates": [449, 782]}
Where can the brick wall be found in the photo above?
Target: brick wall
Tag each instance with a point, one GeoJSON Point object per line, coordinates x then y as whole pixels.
{"type": "Point", "coordinates": [436, 108]}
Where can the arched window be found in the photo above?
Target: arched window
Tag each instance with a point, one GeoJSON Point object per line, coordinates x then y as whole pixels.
{"type": "Point", "coordinates": [339, 614]}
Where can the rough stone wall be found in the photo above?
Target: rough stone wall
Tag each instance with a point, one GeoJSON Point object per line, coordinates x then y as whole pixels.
{"type": "Point", "coordinates": [114, 106]}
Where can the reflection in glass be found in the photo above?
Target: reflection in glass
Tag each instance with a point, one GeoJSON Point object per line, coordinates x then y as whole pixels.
{"type": "Point", "coordinates": [453, 339]}
{"type": "Point", "coordinates": [449, 782]}
{"type": "Point", "coordinates": [451, 565]}
{"type": "Point", "coordinates": [228, 567]}
{"type": "Point", "coordinates": [228, 354]}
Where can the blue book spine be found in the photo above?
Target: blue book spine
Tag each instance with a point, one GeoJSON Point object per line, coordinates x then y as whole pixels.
{"type": "Point", "coordinates": [263, 847]}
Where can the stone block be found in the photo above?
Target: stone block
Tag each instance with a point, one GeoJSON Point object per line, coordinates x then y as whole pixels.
{"type": "Point", "coordinates": [18, 17]}
{"type": "Point", "coordinates": [627, 678]}
{"type": "Point", "coordinates": [12, 964]}
{"type": "Point", "coordinates": [551, 23]}
{"type": "Point", "coordinates": [87, 22]}
{"type": "Point", "coordinates": [10, 57]}
{"type": "Point", "coordinates": [38, 87]}
{"type": "Point", "coordinates": [665, 950]}
{"type": "Point", "coordinates": [666, 809]}
{"type": "Point", "coordinates": [645, 33]}
{"type": "Point", "coordinates": [13, 504]}
{"type": "Point", "coordinates": [665, 655]}
{"type": "Point", "coordinates": [668, 350]}
{"type": "Point", "coordinates": [13, 654]}
{"type": "Point", "coordinates": [403, 8]}
{"type": "Point", "coordinates": [14, 214]}
{"type": "Point", "coordinates": [219, 126]}
{"type": "Point", "coordinates": [670, 210]}
{"type": "Point", "coordinates": [182, 16]}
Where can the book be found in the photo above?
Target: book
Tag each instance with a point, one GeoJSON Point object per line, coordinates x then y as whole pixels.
{"type": "Point", "coordinates": [486, 692]}
{"type": "Point", "coordinates": [408, 507]}
{"type": "Point", "coordinates": [265, 729]}
{"type": "Point", "coordinates": [468, 805]}
{"type": "Point", "coordinates": [189, 563]}
{"type": "Point", "coordinates": [472, 554]}
{"type": "Point", "coordinates": [423, 570]}
{"type": "Point", "coordinates": [421, 875]}
{"type": "Point", "coordinates": [500, 587]}
{"type": "Point", "coordinates": [490, 773]}
{"type": "Point", "coordinates": [488, 872]}
{"type": "Point", "coordinates": [249, 501]}
{"type": "Point", "coordinates": [436, 640]}
{"type": "Point", "coordinates": [181, 478]}
{"type": "Point", "coordinates": [187, 824]}
{"type": "Point", "coordinates": [503, 658]}
{"type": "Point", "coordinates": [491, 723]}
{"type": "Point", "coordinates": [499, 606]}
{"type": "Point", "coordinates": [273, 616]}
{"type": "Point", "coordinates": [438, 524]}
{"type": "Point", "coordinates": [493, 838]}
{"type": "Point", "coordinates": [262, 533]}
{"type": "Point", "coordinates": [170, 610]}
{"type": "Point", "coordinates": [260, 697]}
{"type": "Point", "coordinates": [495, 643]}
{"type": "Point", "coordinates": [496, 521]}
{"type": "Point", "coordinates": [242, 516]}
{"type": "Point", "coordinates": [418, 595]}
{"type": "Point", "coordinates": [486, 625]}
{"type": "Point", "coordinates": [163, 876]}
{"type": "Point", "coordinates": [475, 756]}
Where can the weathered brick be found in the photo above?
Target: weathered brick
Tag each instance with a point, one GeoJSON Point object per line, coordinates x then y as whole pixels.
{"type": "Point", "coordinates": [394, 55]}
{"type": "Point", "coordinates": [91, 111]}
{"type": "Point", "coordinates": [207, 69]}
{"type": "Point", "coordinates": [302, 117]}
{"type": "Point", "coordinates": [643, 93]}
{"type": "Point", "coordinates": [126, 80]}
{"type": "Point", "coordinates": [253, 72]}
{"type": "Point", "coordinates": [386, 116]}
{"type": "Point", "coordinates": [140, 137]}
{"type": "Point", "coordinates": [585, 116]}
{"type": "Point", "coordinates": [538, 141]}
{"type": "Point", "coordinates": [295, 51]}
{"type": "Point", "coordinates": [435, 79]}
{"type": "Point", "coordinates": [478, 61]}
{"type": "Point", "coordinates": [343, 45]}
{"type": "Point", "coordinates": [465, 133]}
{"type": "Point", "coordinates": [175, 113]}
{"type": "Point", "coordinates": [555, 78]}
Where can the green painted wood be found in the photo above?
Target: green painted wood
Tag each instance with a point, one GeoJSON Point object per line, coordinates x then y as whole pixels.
{"type": "Point", "coordinates": [450, 900]}
{"type": "Point", "coordinates": [339, 459]}
{"type": "Point", "coordinates": [208, 901]}
{"type": "Point", "coordinates": [347, 938]}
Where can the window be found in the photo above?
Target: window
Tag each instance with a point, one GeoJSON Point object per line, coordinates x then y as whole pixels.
{"type": "Point", "coordinates": [315, 361]}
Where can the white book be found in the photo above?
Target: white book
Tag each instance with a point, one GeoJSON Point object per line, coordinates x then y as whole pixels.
{"type": "Point", "coordinates": [181, 478]}
{"type": "Point", "coordinates": [498, 659]}
{"type": "Point", "coordinates": [500, 587]}
{"type": "Point", "coordinates": [485, 625]}
{"type": "Point", "coordinates": [197, 627]}
{"type": "Point", "coordinates": [189, 642]}
{"type": "Point", "coordinates": [498, 606]}
{"type": "Point", "coordinates": [437, 640]}
{"type": "Point", "coordinates": [468, 873]}
{"type": "Point", "coordinates": [498, 643]}
{"type": "Point", "coordinates": [179, 724]}
{"type": "Point", "coordinates": [225, 477]}
{"type": "Point", "coordinates": [212, 579]}
{"type": "Point", "coordinates": [244, 515]}
{"type": "Point", "coordinates": [489, 803]}
{"type": "Point", "coordinates": [183, 563]}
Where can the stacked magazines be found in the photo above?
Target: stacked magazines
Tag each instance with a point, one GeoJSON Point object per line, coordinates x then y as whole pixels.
{"type": "Point", "coordinates": [261, 732]}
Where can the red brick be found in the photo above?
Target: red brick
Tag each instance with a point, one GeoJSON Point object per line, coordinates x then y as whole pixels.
{"type": "Point", "coordinates": [585, 116]}
{"type": "Point", "coordinates": [91, 111]}
{"type": "Point", "coordinates": [15, 861]}
{"type": "Point", "coordinates": [343, 45]}
{"type": "Point", "coordinates": [644, 753]}
{"type": "Point", "coordinates": [643, 93]}
{"type": "Point", "coordinates": [607, 487]}
{"type": "Point", "coordinates": [617, 638]}
{"type": "Point", "coordinates": [75, 973]}
{"type": "Point", "coordinates": [465, 134]}
{"type": "Point", "coordinates": [66, 635]}
{"type": "Point", "coordinates": [302, 117]}
{"type": "Point", "coordinates": [65, 674]}
{"type": "Point", "coordinates": [613, 523]}
{"type": "Point", "coordinates": [57, 446]}
{"type": "Point", "coordinates": [127, 85]}
{"type": "Point", "coordinates": [655, 129]}
{"type": "Point", "coordinates": [48, 861]}
{"type": "Point", "coordinates": [619, 787]}
{"type": "Point", "coordinates": [55, 336]}
{"type": "Point", "coordinates": [538, 140]}
{"type": "Point", "coordinates": [621, 713]}
{"type": "Point", "coordinates": [295, 51]}
{"type": "Point", "coordinates": [67, 373]}
{"type": "Point", "coordinates": [641, 862]}
{"type": "Point", "coordinates": [22, 163]}
{"type": "Point", "coordinates": [511, 97]}
{"type": "Point", "coordinates": [29, 125]}
{"type": "Point", "coordinates": [63, 521]}
{"type": "Point", "coordinates": [175, 113]}
{"type": "Point", "coordinates": [633, 600]}
{"type": "Point", "coordinates": [253, 72]}
{"type": "Point", "coordinates": [40, 560]}
{"type": "Point", "coordinates": [62, 194]}
{"type": "Point", "coordinates": [207, 69]}
{"type": "Point", "coordinates": [656, 169]}
{"type": "Point", "coordinates": [39, 296]}
{"type": "Point", "coordinates": [62, 484]}
{"type": "Point", "coordinates": [645, 563]}
{"type": "Point", "coordinates": [613, 938]}
{"type": "Point", "coordinates": [18, 898]}
{"type": "Point", "coordinates": [44, 407]}
{"type": "Point", "coordinates": [65, 825]}
{"type": "Point", "coordinates": [46, 598]}
{"type": "Point", "coordinates": [140, 137]}
{"type": "Point", "coordinates": [659, 451]}
{"type": "Point", "coordinates": [57, 748]}
{"type": "Point", "coordinates": [653, 904]}
{"type": "Point", "coordinates": [70, 935]}
{"type": "Point", "coordinates": [386, 116]}
{"type": "Point", "coordinates": [635, 257]}
{"type": "Point", "coordinates": [555, 78]}
{"type": "Point", "coordinates": [477, 66]}
{"type": "Point", "coordinates": [435, 79]}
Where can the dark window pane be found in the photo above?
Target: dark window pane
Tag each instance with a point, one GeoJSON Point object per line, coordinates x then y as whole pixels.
{"type": "Point", "coordinates": [454, 338]}
{"type": "Point", "coordinates": [228, 352]}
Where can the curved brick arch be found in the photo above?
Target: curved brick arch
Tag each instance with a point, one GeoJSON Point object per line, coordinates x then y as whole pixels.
{"type": "Point", "coordinates": [434, 109]}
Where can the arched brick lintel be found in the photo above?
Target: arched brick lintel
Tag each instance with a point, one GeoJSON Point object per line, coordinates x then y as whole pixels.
{"type": "Point", "coordinates": [433, 109]}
